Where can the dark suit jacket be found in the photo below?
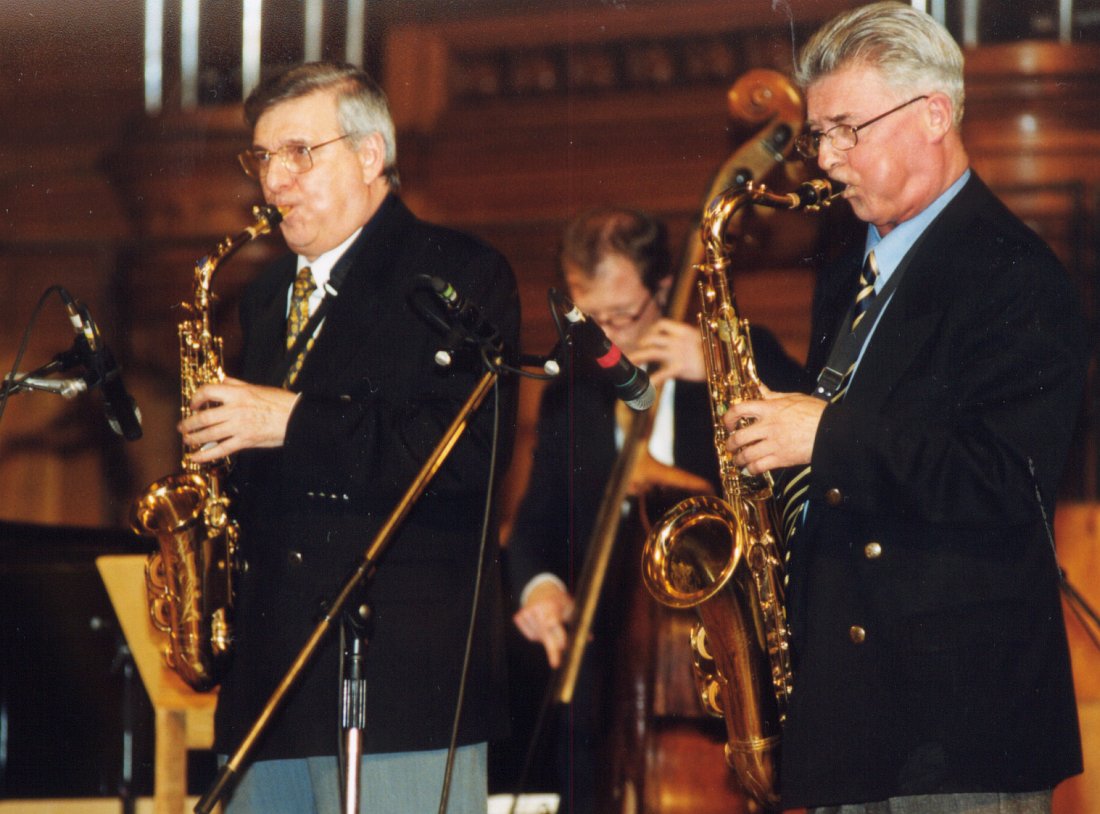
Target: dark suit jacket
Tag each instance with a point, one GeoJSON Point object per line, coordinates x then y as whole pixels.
{"type": "Point", "coordinates": [373, 405]}
{"type": "Point", "coordinates": [961, 681]}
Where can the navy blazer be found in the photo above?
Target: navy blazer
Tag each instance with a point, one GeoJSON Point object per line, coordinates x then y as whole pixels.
{"type": "Point", "coordinates": [373, 405]}
{"type": "Point", "coordinates": [929, 649]}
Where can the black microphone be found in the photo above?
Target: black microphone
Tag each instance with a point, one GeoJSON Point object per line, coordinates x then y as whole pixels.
{"type": "Point", "coordinates": [632, 385]}
{"type": "Point", "coordinates": [101, 369]}
{"type": "Point", "coordinates": [467, 325]}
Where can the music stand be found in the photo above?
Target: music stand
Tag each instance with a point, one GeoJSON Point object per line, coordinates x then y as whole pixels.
{"type": "Point", "coordinates": [184, 718]}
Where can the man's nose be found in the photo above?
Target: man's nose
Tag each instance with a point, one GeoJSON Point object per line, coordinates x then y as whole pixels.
{"type": "Point", "coordinates": [277, 176]}
{"type": "Point", "coordinates": [617, 335]}
{"type": "Point", "coordinates": [828, 156]}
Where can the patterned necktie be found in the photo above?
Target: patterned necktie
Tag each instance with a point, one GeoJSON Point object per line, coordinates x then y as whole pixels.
{"type": "Point", "coordinates": [866, 294]}
{"type": "Point", "coordinates": [296, 320]}
{"type": "Point", "coordinates": [796, 489]}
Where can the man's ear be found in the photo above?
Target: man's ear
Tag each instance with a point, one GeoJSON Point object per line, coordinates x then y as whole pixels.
{"type": "Point", "coordinates": [939, 115]}
{"type": "Point", "coordinates": [372, 156]}
{"type": "Point", "coordinates": [663, 289]}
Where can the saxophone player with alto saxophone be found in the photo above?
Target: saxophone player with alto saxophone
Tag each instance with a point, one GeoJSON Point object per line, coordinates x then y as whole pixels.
{"type": "Point", "coordinates": [338, 405]}
{"type": "Point", "coordinates": [930, 664]}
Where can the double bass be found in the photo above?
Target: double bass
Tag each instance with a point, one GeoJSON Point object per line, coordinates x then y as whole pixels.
{"type": "Point", "coordinates": [659, 741]}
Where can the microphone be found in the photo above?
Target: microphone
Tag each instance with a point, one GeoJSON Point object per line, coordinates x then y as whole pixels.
{"type": "Point", "coordinates": [66, 388]}
{"type": "Point", "coordinates": [101, 369]}
{"type": "Point", "coordinates": [466, 322]}
{"type": "Point", "coordinates": [632, 385]}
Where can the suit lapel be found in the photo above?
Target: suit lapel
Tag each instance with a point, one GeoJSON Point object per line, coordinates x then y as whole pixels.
{"type": "Point", "coordinates": [371, 287]}
{"type": "Point", "coordinates": [917, 307]}
{"type": "Point", "coordinates": [268, 331]}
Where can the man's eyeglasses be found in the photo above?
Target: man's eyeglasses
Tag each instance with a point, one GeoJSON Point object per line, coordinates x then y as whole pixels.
{"type": "Point", "coordinates": [622, 320]}
{"type": "Point", "coordinates": [297, 158]}
{"type": "Point", "coordinates": [842, 136]}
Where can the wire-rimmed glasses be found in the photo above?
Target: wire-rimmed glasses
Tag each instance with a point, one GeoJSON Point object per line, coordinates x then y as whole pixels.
{"type": "Point", "coordinates": [842, 136]}
{"type": "Point", "coordinates": [297, 158]}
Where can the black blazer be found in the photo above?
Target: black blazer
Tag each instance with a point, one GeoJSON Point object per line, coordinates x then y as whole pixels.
{"type": "Point", "coordinates": [373, 405]}
{"type": "Point", "coordinates": [925, 531]}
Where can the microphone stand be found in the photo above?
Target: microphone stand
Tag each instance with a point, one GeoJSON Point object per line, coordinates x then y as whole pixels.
{"type": "Point", "coordinates": [353, 701]}
{"type": "Point", "coordinates": [230, 772]}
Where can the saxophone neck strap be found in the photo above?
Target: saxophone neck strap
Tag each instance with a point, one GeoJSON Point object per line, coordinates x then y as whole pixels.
{"type": "Point", "coordinates": [849, 343]}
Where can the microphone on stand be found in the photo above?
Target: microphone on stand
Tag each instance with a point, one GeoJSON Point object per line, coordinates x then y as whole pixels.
{"type": "Point", "coordinates": [632, 384]}
{"type": "Point", "coordinates": [467, 325]}
{"type": "Point", "coordinates": [66, 388]}
{"type": "Point", "coordinates": [100, 368]}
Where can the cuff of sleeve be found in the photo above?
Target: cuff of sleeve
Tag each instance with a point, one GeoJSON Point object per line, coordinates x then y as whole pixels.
{"type": "Point", "coordinates": [537, 580]}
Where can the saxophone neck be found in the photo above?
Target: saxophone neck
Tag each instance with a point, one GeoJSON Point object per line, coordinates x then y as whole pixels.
{"type": "Point", "coordinates": [267, 218]}
{"type": "Point", "coordinates": [811, 196]}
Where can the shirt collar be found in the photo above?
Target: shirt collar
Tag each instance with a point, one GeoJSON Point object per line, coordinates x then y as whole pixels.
{"type": "Point", "coordinates": [321, 268]}
{"type": "Point", "coordinates": [890, 250]}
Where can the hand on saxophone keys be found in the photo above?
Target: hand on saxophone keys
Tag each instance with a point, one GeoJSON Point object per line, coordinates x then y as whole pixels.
{"type": "Point", "coordinates": [774, 431]}
{"type": "Point", "coordinates": [232, 415]}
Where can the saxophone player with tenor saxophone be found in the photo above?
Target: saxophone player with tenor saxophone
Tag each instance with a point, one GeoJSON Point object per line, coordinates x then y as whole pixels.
{"type": "Point", "coordinates": [930, 664]}
{"type": "Point", "coordinates": [338, 405]}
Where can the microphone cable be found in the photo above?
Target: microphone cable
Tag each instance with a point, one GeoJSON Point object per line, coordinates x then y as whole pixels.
{"type": "Point", "coordinates": [486, 524]}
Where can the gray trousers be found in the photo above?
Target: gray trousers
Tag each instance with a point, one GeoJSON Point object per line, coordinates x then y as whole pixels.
{"type": "Point", "coordinates": [1037, 802]}
{"type": "Point", "coordinates": [394, 783]}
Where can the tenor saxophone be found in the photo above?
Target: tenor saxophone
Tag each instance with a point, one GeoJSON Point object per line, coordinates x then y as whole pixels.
{"type": "Point", "coordinates": [189, 578]}
{"type": "Point", "coordinates": [725, 557]}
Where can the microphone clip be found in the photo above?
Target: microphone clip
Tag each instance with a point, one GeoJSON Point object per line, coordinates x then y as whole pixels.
{"type": "Point", "coordinates": [466, 326]}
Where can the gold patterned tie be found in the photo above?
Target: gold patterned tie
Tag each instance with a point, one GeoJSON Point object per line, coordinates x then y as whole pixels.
{"type": "Point", "coordinates": [296, 320]}
{"type": "Point", "coordinates": [796, 489]}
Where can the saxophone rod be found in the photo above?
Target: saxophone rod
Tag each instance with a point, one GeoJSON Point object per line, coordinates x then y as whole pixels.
{"type": "Point", "coordinates": [227, 776]}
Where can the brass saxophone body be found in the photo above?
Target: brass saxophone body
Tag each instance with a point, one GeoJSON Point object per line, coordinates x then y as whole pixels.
{"type": "Point", "coordinates": [725, 557]}
{"type": "Point", "coordinates": [189, 579]}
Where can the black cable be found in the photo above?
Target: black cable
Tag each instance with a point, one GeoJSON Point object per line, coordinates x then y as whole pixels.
{"type": "Point", "coordinates": [1077, 603]}
{"type": "Point", "coordinates": [485, 525]}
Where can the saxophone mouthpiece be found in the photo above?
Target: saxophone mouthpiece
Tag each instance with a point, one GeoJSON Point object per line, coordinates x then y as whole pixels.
{"type": "Point", "coordinates": [268, 217]}
{"type": "Point", "coordinates": [818, 193]}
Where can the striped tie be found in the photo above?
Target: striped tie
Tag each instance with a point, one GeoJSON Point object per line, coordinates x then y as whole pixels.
{"type": "Point", "coordinates": [866, 294]}
{"type": "Point", "coordinates": [296, 320]}
{"type": "Point", "coordinates": [795, 490]}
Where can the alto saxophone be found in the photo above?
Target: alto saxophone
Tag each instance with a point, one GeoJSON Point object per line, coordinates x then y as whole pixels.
{"type": "Point", "coordinates": [725, 558]}
{"type": "Point", "coordinates": [189, 579]}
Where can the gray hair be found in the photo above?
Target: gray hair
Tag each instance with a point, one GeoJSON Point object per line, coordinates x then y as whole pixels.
{"type": "Point", "coordinates": [361, 105]}
{"type": "Point", "coordinates": [910, 49]}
